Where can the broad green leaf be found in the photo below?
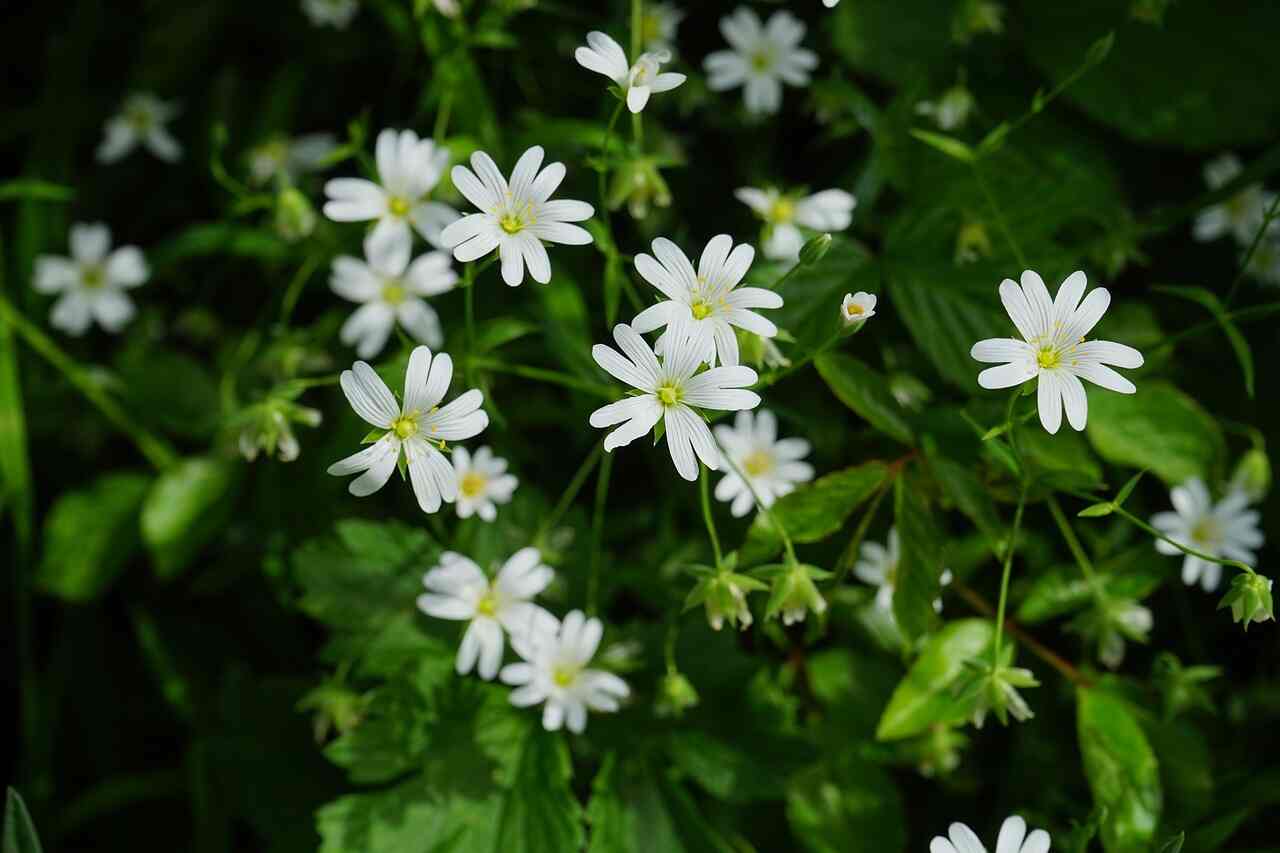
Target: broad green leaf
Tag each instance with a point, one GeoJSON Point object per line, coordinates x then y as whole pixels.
{"type": "Point", "coordinates": [865, 391]}
{"type": "Point", "coordinates": [847, 805]}
{"type": "Point", "coordinates": [967, 492]}
{"type": "Point", "coordinates": [1122, 770]}
{"type": "Point", "coordinates": [1134, 573]}
{"type": "Point", "coordinates": [500, 331]}
{"type": "Point", "coordinates": [854, 687]}
{"type": "Point", "coordinates": [1058, 462]}
{"type": "Point", "coordinates": [221, 239]}
{"type": "Point", "coordinates": [567, 325]}
{"type": "Point", "coordinates": [171, 391]}
{"type": "Point", "coordinates": [637, 809]}
{"type": "Point", "coordinates": [19, 832]}
{"type": "Point", "coordinates": [391, 737]}
{"type": "Point", "coordinates": [89, 535]}
{"type": "Point", "coordinates": [1159, 428]}
{"type": "Point", "coordinates": [185, 508]}
{"type": "Point", "coordinates": [1186, 767]}
{"type": "Point", "coordinates": [916, 584]}
{"type": "Point", "coordinates": [812, 513]}
{"type": "Point", "coordinates": [925, 696]}
{"type": "Point", "coordinates": [1239, 344]}
{"type": "Point", "coordinates": [893, 39]}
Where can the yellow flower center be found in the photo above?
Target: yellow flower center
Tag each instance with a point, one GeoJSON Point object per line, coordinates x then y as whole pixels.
{"type": "Point", "coordinates": [511, 223]}
{"type": "Point", "coordinates": [783, 210]}
{"type": "Point", "coordinates": [701, 309]}
{"type": "Point", "coordinates": [487, 605]}
{"type": "Point", "coordinates": [399, 206]}
{"type": "Point", "coordinates": [758, 462]}
{"type": "Point", "coordinates": [472, 485]}
{"type": "Point", "coordinates": [1048, 357]}
{"type": "Point", "coordinates": [669, 395]}
{"type": "Point", "coordinates": [405, 426]}
{"type": "Point", "coordinates": [761, 61]}
{"type": "Point", "coordinates": [564, 675]}
{"type": "Point", "coordinates": [393, 292]}
{"type": "Point", "coordinates": [93, 276]}
{"type": "Point", "coordinates": [1206, 532]}
{"type": "Point", "coordinates": [139, 118]}
{"type": "Point", "coordinates": [853, 309]}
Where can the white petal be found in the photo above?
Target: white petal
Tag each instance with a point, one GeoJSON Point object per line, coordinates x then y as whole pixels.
{"type": "Point", "coordinates": [126, 267]}
{"type": "Point", "coordinates": [354, 200]}
{"type": "Point", "coordinates": [1049, 400]}
{"type": "Point", "coordinates": [90, 243]}
{"type": "Point", "coordinates": [369, 395]}
{"type": "Point", "coordinates": [1073, 400]}
{"type": "Point", "coordinates": [1006, 375]}
{"type": "Point", "coordinates": [1014, 828]}
{"type": "Point", "coordinates": [1109, 352]}
{"type": "Point", "coordinates": [1002, 351]}
{"type": "Point", "coordinates": [679, 434]}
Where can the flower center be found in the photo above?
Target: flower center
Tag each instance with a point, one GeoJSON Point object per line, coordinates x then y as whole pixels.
{"type": "Point", "coordinates": [761, 60]}
{"type": "Point", "coordinates": [782, 210]}
{"type": "Point", "coordinates": [512, 223]}
{"type": "Point", "coordinates": [487, 605]}
{"type": "Point", "coordinates": [564, 674]}
{"type": "Point", "coordinates": [93, 276]}
{"type": "Point", "coordinates": [701, 309]}
{"type": "Point", "coordinates": [669, 395]}
{"type": "Point", "coordinates": [1206, 533]}
{"type": "Point", "coordinates": [758, 462]}
{"type": "Point", "coordinates": [139, 118]}
{"type": "Point", "coordinates": [853, 309]}
{"type": "Point", "coordinates": [405, 426]}
{"type": "Point", "coordinates": [472, 485]}
{"type": "Point", "coordinates": [393, 292]}
{"type": "Point", "coordinates": [1048, 358]}
{"type": "Point", "coordinates": [398, 206]}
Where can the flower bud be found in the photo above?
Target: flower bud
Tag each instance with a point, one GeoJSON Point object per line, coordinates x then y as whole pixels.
{"type": "Point", "coordinates": [1253, 475]}
{"type": "Point", "coordinates": [1249, 599]}
{"type": "Point", "coordinates": [815, 250]}
{"type": "Point", "coordinates": [857, 308]}
{"type": "Point", "coordinates": [675, 696]}
{"type": "Point", "coordinates": [724, 595]}
{"type": "Point", "coordinates": [973, 243]}
{"type": "Point", "coordinates": [295, 217]}
{"type": "Point", "coordinates": [975, 17]}
{"type": "Point", "coordinates": [794, 594]}
{"type": "Point", "coordinates": [995, 689]}
{"type": "Point", "coordinates": [639, 184]}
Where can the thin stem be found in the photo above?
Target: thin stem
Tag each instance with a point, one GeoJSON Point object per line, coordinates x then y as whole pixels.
{"type": "Point", "coordinates": [544, 375]}
{"type": "Point", "coordinates": [1133, 519]}
{"type": "Point", "coordinates": [1010, 547]}
{"type": "Point", "coordinates": [442, 117]}
{"type": "Point", "coordinates": [669, 644]}
{"type": "Point", "coordinates": [850, 554]}
{"type": "Point", "coordinates": [294, 291]}
{"type": "Point", "coordinates": [999, 215]}
{"type": "Point", "coordinates": [1255, 312]}
{"type": "Point", "coordinates": [1253, 247]}
{"type": "Point", "coordinates": [704, 487]}
{"type": "Point", "coordinates": [1073, 544]}
{"type": "Point", "coordinates": [597, 534]}
{"type": "Point", "coordinates": [570, 492]}
{"type": "Point", "coordinates": [637, 28]}
{"type": "Point", "coordinates": [764, 510]}
{"type": "Point", "coordinates": [603, 179]}
{"type": "Point", "coordinates": [980, 604]}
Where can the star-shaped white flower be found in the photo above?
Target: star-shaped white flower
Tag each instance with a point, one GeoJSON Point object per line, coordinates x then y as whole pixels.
{"type": "Point", "coordinates": [1241, 215]}
{"type": "Point", "coordinates": [483, 481]}
{"type": "Point", "coordinates": [141, 120]}
{"type": "Point", "coordinates": [409, 169]}
{"type": "Point", "coordinates": [878, 567]}
{"type": "Point", "coordinates": [1054, 348]}
{"type": "Point", "coordinates": [287, 159]}
{"type": "Point", "coordinates": [1013, 838]}
{"type": "Point", "coordinates": [555, 674]}
{"type": "Point", "coordinates": [671, 392]}
{"type": "Point", "coordinates": [391, 290]}
{"type": "Point", "coordinates": [418, 428]}
{"type": "Point", "coordinates": [858, 307]}
{"type": "Point", "coordinates": [761, 58]}
{"type": "Point", "coordinates": [92, 281]}
{"type": "Point", "coordinates": [771, 465]}
{"type": "Point", "coordinates": [658, 26]}
{"type": "Point", "coordinates": [605, 56]}
{"type": "Point", "coordinates": [707, 301]}
{"type": "Point", "coordinates": [515, 218]}
{"type": "Point", "coordinates": [1227, 529]}
{"type": "Point", "coordinates": [331, 13]}
{"type": "Point", "coordinates": [784, 215]}
{"type": "Point", "coordinates": [458, 589]}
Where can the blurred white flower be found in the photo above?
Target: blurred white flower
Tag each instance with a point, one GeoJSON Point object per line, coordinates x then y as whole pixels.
{"type": "Point", "coordinates": [1054, 348]}
{"type": "Point", "coordinates": [286, 159]}
{"type": "Point", "coordinates": [1265, 263]}
{"type": "Point", "coordinates": [761, 58]}
{"type": "Point", "coordinates": [770, 464]}
{"type": "Point", "coordinates": [1227, 530]}
{"type": "Point", "coordinates": [670, 392]}
{"type": "Point", "coordinates": [555, 673]}
{"type": "Point", "coordinates": [483, 481]}
{"type": "Point", "coordinates": [878, 567]}
{"type": "Point", "coordinates": [707, 302]}
{"type": "Point", "coordinates": [1241, 215]}
{"type": "Point", "coordinates": [420, 427]}
{"type": "Point", "coordinates": [658, 26]}
{"type": "Point", "coordinates": [92, 282]}
{"type": "Point", "coordinates": [268, 427]}
{"type": "Point", "coordinates": [783, 215]}
{"type": "Point", "coordinates": [951, 110]}
{"type": "Point", "coordinates": [830, 4]}
{"type": "Point", "coordinates": [391, 290]}
{"type": "Point", "coordinates": [408, 168]}
{"type": "Point", "coordinates": [458, 589]}
{"type": "Point", "coordinates": [1013, 838]}
{"type": "Point", "coordinates": [605, 56]}
{"type": "Point", "coordinates": [858, 307]}
{"type": "Point", "coordinates": [141, 120]}
{"type": "Point", "coordinates": [516, 218]}
{"type": "Point", "coordinates": [331, 13]}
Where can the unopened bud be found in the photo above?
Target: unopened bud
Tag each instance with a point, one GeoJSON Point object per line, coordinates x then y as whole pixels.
{"type": "Point", "coordinates": [815, 250]}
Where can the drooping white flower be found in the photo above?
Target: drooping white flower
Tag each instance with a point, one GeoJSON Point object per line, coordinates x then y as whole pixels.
{"type": "Point", "coordinates": [391, 290]}
{"type": "Point", "coordinates": [1241, 215]}
{"type": "Point", "coordinates": [784, 215]}
{"type": "Point", "coordinates": [770, 464]}
{"type": "Point", "coordinates": [951, 110]}
{"type": "Point", "coordinates": [555, 673]}
{"type": "Point", "coordinates": [671, 392]}
{"type": "Point", "coordinates": [516, 218]}
{"type": "Point", "coordinates": [419, 428]}
{"type": "Point", "coordinates": [268, 427]}
{"type": "Point", "coordinates": [1013, 838]}
{"type": "Point", "coordinates": [658, 26]}
{"type": "Point", "coordinates": [1054, 348]}
{"type": "Point", "coordinates": [708, 301]}
{"type": "Point", "coordinates": [605, 56]}
{"type": "Point", "coordinates": [858, 307]}
{"type": "Point", "coordinates": [458, 589]}
{"type": "Point", "coordinates": [287, 159]}
{"type": "Point", "coordinates": [408, 169]}
{"type": "Point", "coordinates": [141, 120]}
{"type": "Point", "coordinates": [483, 481]}
{"type": "Point", "coordinates": [92, 282]}
{"type": "Point", "coordinates": [1227, 529]}
{"type": "Point", "coordinates": [761, 58]}
{"type": "Point", "coordinates": [878, 567]}
{"type": "Point", "coordinates": [331, 13]}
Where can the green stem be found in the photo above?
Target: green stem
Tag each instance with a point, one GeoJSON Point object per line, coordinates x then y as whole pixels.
{"type": "Point", "coordinates": [764, 510]}
{"type": "Point", "coordinates": [540, 374]}
{"type": "Point", "coordinates": [1253, 247]}
{"type": "Point", "coordinates": [1004, 573]}
{"type": "Point", "coordinates": [294, 291]}
{"type": "Point", "coordinates": [669, 644]}
{"type": "Point", "coordinates": [704, 487]}
{"type": "Point", "coordinates": [999, 215]}
{"type": "Point", "coordinates": [603, 179]}
{"type": "Point", "coordinates": [597, 534]}
{"type": "Point", "coordinates": [637, 28]}
{"type": "Point", "coordinates": [1255, 312]}
{"type": "Point", "coordinates": [1073, 544]}
{"type": "Point", "coordinates": [442, 117]}
{"type": "Point", "coordinates": [1142, 525]}
{"type": "Point", "coordinates": [850, 554]}
{"type": "Point", "coordinates": [570, 492]}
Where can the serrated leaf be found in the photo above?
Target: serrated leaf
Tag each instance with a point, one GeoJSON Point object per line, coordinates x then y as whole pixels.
{"type": "Point", "coordinates": [812, 513]}
{"type": "Point", "coordinates": [925, 696]}
{"type": "Point", "coordinates": [866, 392]}
{"type": "Point", "coordinates": [635, 809]}
{"type": "Point", "coordinates": [1122, 770]}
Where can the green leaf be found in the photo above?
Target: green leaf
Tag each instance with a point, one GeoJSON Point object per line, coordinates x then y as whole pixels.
{"type": "Point", "coordinates": [924, 696]}
{"type": "Point", "coordinates": [1127, 489]}
{"type": "Point", "coordinates": [948, 145]}
{"type": "Point", "coordinates": [865, 391]}
{"type": "Point", "coordinates": [636, 809]}
{"type": "Point", "coordinates": [1159, 428]}
{"type": "Point", "coordinates": [170, 391]}
{"type": "Point", "coordinates": [1174, 844]}
{"type": "Point", "coordinates": [186, 506]}
{"type": "Point", "coordinates": [812, 513]}
{"type": "Point", "coordinates": [1134, 573]}
{"type": "Point", "coordinates": [847, 805]}
{"type": "Point", "coordinates": [1122, 770]}
{"type": "Point", "coordinates": [499, 331]}
{"type": "Point", "coordinates": [917, 583]}
{"type": "Point", "coordinates": [220, 239]}
{"type": "Point", "coordinates": [1097, 510]}
{"type": "Point", "coordinates": [33, 189]}
{"type": "Point", "coordinates": [1239, 345]}
{"type": "Point", "coordinates": [89, 535]}
{"type": "Point", "coordinates": [967, 492]}
{"type": "Point", "coordinates": [567, 325]}
{"type": "Point", "coordinates": [19, 832]}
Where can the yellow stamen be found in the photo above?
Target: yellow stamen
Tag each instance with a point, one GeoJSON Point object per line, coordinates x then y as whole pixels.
{"type": "Point", "coordinates": [405, 426]}
{"type": "Point", "coordinates": [564, 675]}
{"type": "Point", "coordinates": [669, 395]}
{"type": "Point", "coordinates": [1206, 532]}
{"type": "Point", "coordinates": [487, 606]}
{"type": "Point", "coordinates": [93, 276]}
{"type": "Point", "coordinates": [393, 293]}
{"type": "Point", "coordinates": [782, 210]}
{"type": "Point", "coordinates": [853, 309]}
{"type": "Point", "coordinates": [1048, 357]}
{"type": "Point", "coordinates": [700, 309]}
{"type": "Point", "coordinates": [472, 484]}
{"type": "Point", "coordinates": [511, 223]}
{"type": "Point", "coordinates": [757, 463]}
{"type": "Point", "coordinates": [398, 206]}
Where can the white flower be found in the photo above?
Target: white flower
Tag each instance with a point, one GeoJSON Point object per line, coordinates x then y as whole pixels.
{"type": "Point", "coordinates": [482, 482]}
{"type": "Point", "coordinates": [416, 428]}
{"type": "Point", "coordinates": [830, 4]}
{"type": "Point", "coordinates": [287, 159]}
{"type": "Point", "coordinates": [829, 210]}
{"type": "Point", "coordinates": [516, 218]}
{"type": "Point", "coordinates": [761, 58]}
{"type": "Point", "coordinates": [458, 589]}
{"type": "Point", "coordinates": [658, 26]}
{"type": "Point", "coordinates": [391, 290]}
{"type": "Point", "coordinates": [605, 56]}
{"type": "Point", "coordinates": [92, 281]}
{"type": "Point", "coordinates": [448, 8]}
{"type": "Point", "coordinates": [1228, 530]}
{"type": "Point", "coordinates": [707, 302]}
{"type": "Point", "coordinates": [771, 465]}
{"type": "Point", "coordinates": [1265, 263]}
{"type": "Point", "coordinates": [878, 567]}
{"type": "Point", "coordinates": [142, 119]}
{"type": "Point", "coordinates": [858, 307]}
{"type": "Point", "coordinates": [408, 168]}
{"type": "Point", "coordinates": [669, 392]}
{"type": "Point", "coordinates": [1013, 839]}
{"type": "Point", "coordinates": [331, 13]}
{"type": "Point", "coordinates": [555, 673]}
{"type": "Point", "coordinates": [1241, 215]}
{"type": "Point", "coordinates": [951, 110]}
{"type": "Point", "coordinates": [1054, 348]}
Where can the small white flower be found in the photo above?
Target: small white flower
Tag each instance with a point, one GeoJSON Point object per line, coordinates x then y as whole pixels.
{"type": "Point", "coordinates": [858, 307]}
{"type": "Point", "coordinates": [1265, 263]}
{"type": "Point", "coordinates": [951, 110]}
{"type": "Point", "coordinates": [830, 4]}
{"type": "Point", "coordinates": [483, 481]}
{"type": "Point", "coordinates": [1013, 839]}
{"type": "Point", "coordinates": [761, 58]}
{"type": "Point", "coordinates": [515, 218]}
{"type": "Point", "coordinates": [605, 56]}
{"type": "Point", "coordinates": [829, 210]}
{"type": "Point", "coordinates": [1054, 348]}
{"type": "Point", "coordinates": [878, 567]}
{"type": "Point", "coordinates": [771, 465]}
{"type": "Point", "coordinates": [142, 119]}
{"type": "Point", "coordinates": [1228, 530]}
{"type": "Point", "coordinates": [286, 159]}
{"type": "Point", "coordinates": [670, 392]}
{"type": "Point", "coordinates": [92, 281]}
{"type": "Point", "coordinates": [448, 8]}
{"type": "Point", "coordinates": [1241, 215]}
{"type": "Point", "coordinates": [658, 26]}
{"type": "Point", "coordinates": [391, 290]}
{"type": "Point", "coordinates": [416, 428]}
{"type": "Point", "coordinates": [555, 673]}
{"type": "Point", "coordinates": [458, 589]}
{"type": "Point", "coordinates": [408, 168]}
{"type": "Point", "coordinates": [331, 13]}
{"type": "Point", "coordinates": [708, 301]}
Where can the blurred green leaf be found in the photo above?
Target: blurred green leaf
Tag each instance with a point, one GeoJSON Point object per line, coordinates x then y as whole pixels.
{"type": "Point", "coordinates": [916, 584]}
{"type": "Point", "coordinates": [865, 391]}
{"type": "Point", "coordinates": [1159, 428]}
{"type": "Point", "coordinates": [19, 832]}
{"type": "Point", "coordinates": [1239, 345]}
{"type": "Point", "coordinates": [847, 805]}
{"type": "Point", "coordinates": [32, 189]}
{"type": "Point", "coordinates": [636, 809]}
{"type": "Point", "coordinates": [1122, 771]}
{"type": "Point", "coordinates": [925, 696]}
{"type": "Point", "coordinates": [812, 513]}
{"type": "Point", "coordinates": [89, 535]}
{"type": "Point", "coordinates": [185, 508]}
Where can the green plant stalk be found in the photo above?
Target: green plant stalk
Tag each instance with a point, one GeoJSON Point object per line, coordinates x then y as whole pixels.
{"type": "Point", "coordinates": [570, 492]}
{"type": "Point", "coordinates": [705, 490]}
{"type": "Point", "coordinates": [850, 554]}
{"type": "Point", "coordinates": [541, 374]}
{"type": "Point", "coordinates": [1009, 549]}
{"type": "Point", "coordinates": [999, 215]}
{"type": "Point", "coordinates": [603, 179]}
{"type": "Point", "coordinates": [1253, 247]}
{"type": "Point", "coordinates": [294, 291]}
{"type": "Point", "coordinates": [764, 510]}
{"type": "Point", "coordinates": [1077, 551]}
{"type": "Point", "coordinates": [1142, 525]}
{"type": "Point", "coordinates": [597, 534]}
